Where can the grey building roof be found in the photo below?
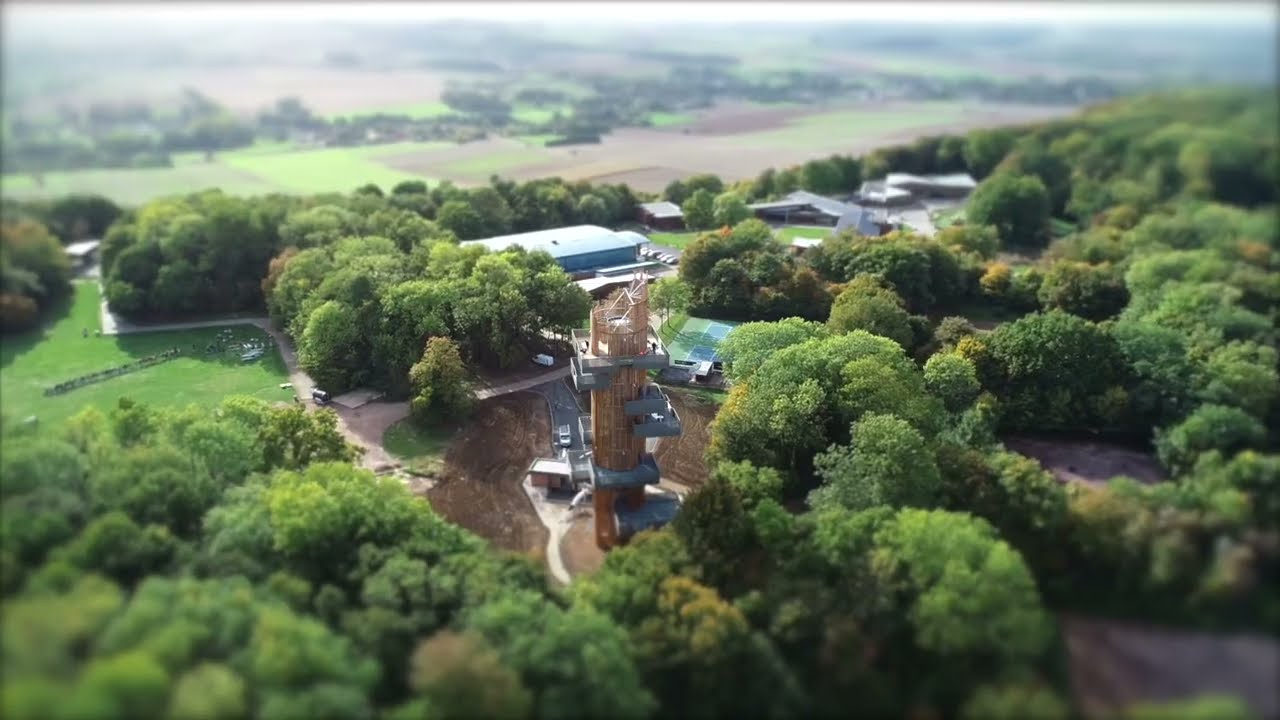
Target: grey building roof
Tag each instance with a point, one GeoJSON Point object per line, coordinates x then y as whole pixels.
{"type": "Point", "coordinates": [953, 180]}
{"type": "Point", "coordinates": [860, 220]}
{"type": "Point", "coordinates": [800, 198]}
{"type": "Point", "coordinates": [663, 209]}
{"type": "Point", "coordinates": [82, 248]}
{"type": "Point", "coordinates": [564, 242]}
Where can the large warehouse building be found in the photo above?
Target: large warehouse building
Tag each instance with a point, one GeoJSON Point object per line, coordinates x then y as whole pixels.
{"type": "Point", "coordinates": [578, 249]}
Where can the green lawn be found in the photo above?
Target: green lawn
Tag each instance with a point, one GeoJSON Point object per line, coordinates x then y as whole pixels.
{"type": "Point", "coordinates": [416, 110]}
{"type": "Point", "coordinates": [257, 170]}
{"type": "Point", "coordinates": [786, 234]}
{"type": "Point", "coordinates": [58, 352]}
{"type": "Point", "coordinates": [136, 186]}
{"type": "Point", "coordinates": [420, 449]}
{"type": "Point", "coordinates": [675, 240]}
{"type": "Point", "coordinates": [665, 119]}
{"type": "Point", "coordinates": [328, 169]}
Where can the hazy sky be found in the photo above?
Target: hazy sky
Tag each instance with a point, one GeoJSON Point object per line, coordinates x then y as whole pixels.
{"type": "Point", "coordinates": [620, 12]}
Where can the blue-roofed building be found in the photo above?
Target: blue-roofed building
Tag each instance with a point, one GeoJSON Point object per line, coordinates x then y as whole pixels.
{"type": "Point", "coordinates": [578, 249]}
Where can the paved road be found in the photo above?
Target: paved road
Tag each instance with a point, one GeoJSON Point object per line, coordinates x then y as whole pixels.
{"type": "Point", "coordinates": [565, 410]}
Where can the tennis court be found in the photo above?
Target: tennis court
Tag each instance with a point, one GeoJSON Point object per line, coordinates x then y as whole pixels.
{"type": "Point", "coordinates": [699, 340]}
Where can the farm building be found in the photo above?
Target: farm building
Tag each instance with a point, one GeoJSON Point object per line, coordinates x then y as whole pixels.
{"type": "Point", "coordinates": [806, 208]}
{"type": "Point", "coordinates": [83, 253]}
{"type": "Point", "coordinates": [662, 216]}
{"type": "Point", "coordinates": [904, 189]}
{"type": "Point", "coordinates": [578, 249]}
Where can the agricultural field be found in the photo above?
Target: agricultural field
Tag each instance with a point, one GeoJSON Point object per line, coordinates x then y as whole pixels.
{"type": "Point", "coordinates": [60, 352]}
{"type": "Point", "coordinates": [734, 141]}
{"type": "Point", "coordinates": [257, 170]}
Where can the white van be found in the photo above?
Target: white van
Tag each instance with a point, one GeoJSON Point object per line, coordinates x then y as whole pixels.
{"type": "Point", "coordinates": [544, 360]}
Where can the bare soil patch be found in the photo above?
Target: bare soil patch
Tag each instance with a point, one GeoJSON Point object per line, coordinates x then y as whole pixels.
{"type": "Point", "coordinates": [681, 458]}
{"type": "Point", "coordinates": [733, 118]}
{"type": "Point", "coordinates": [366, 425]}
{"type": "Point", "coordinates": [480, 487]}
{"type": "Point", "coordinates": [578, 547]}
{"type": "Point", "coordinates": [1114, 665]}
{"type": "Point", "coordinates": [1092, 463]}
{"type": "Point", "coordinates": [649, 177]}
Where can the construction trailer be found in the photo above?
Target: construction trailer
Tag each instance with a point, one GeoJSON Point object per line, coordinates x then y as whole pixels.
{"type": "Point", "coordinates": [612, 360]}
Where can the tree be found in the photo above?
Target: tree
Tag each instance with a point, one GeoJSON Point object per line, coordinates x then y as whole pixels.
{"type": "Point", "coordinates": [1054, 371]}
{"type": "Point", "coordinates": [886, 463]}
{"type": "Point", "coordinates": [970, 592]}
{"type": "Point", "coordinates": [754, 485]}
{"type": "Point", "coordinates": [592, 210]}
{"type": "Point", "coordinates": [729, 209]}
{"type": "Point", "coordinates": [668, 295]}
{"type": "Point", "coordinates": [461, 219]}
{"type": "Point", "coordinates": [1016, 205]}
{"type": "Point", "coordinates": [460, 677]}
{"type": "Point", "coordinates": [699, 210]}
{"type": "Point", "coordinates": [982, 241]}
{"type": "Point", "coordinates": [1210, 427]}
{"type": "Point", "coordinates": [440, 382]}
{"type": "Point", "coordinates": [331, 349]}
{"type": "Point", "coordinates": [747, 346]}
{"type": "Point", "coordinates": [953, 379]}
{"type": "Point", "coordinates": [1094, 292]}
{"type": "Point", "coordinates": [866, 305]}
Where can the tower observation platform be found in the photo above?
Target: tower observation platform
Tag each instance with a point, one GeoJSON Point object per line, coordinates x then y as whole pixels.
{"type": "Point", "coordinates": [612, 360]}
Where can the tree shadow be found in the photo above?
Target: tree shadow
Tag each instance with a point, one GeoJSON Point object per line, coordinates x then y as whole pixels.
{"type": "Point", "coordinates": [15, 345]}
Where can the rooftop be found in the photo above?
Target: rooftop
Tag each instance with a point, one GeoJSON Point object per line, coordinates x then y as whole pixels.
{"type": "Point", "coordinates": [566, 241]}
{"type": "Point", "coordinates": [956, 180]}
{"type": "Point", "coordinates": [800, 198]}
{"type": "Point", "coordinates": [806, 242]}
{"type": "Point", "coordinates": [596, 283]}
{"type": "Point", "coordinates": [662, 209]}
{"type": "Point", "coordinates": [860, 220]}
{"type": "Point", "coordinates": [82, 248]}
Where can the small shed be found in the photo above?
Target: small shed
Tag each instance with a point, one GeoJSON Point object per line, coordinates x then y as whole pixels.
{"type": "Point", "coordinates": [662, 215]}
{"type": "Point", "coordinates": [551, 473]}
{"type": "Point", "coordinates": [84, 253]}
{"type": "Point", "coordinates": [800, 246]}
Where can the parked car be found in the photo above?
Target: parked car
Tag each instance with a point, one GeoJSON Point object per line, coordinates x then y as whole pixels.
{"type": "Point", "coordinates": [674, 260]}
{"type": "Point", "coordinates": [565, 438]}
{"type": "Point", "coordinates": [320, 397]}
{"type": "Point", "coordinates": [544, 360]}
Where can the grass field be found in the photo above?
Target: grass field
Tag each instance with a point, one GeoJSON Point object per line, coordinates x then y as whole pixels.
{"type": "Point", "coordinates": [668, 330]}
{"type": "Point", "coordinates": [678, 241]}
{"type": "Point", "coordinates": [664, 119]}
{"type": "Point", "coordinates": [330, 169]}
{"type": "Point", "coordinates": [420, 449]}
{"type": "Point", "coordinates": [257, 170]}
{"type": "Point", "coordinates": [786, 234]}
{"type": "Point", "coordinates": [57, 352]}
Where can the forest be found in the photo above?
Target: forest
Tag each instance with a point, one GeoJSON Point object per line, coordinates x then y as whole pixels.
{"type": "Point", "coordinates": [865, 540]}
